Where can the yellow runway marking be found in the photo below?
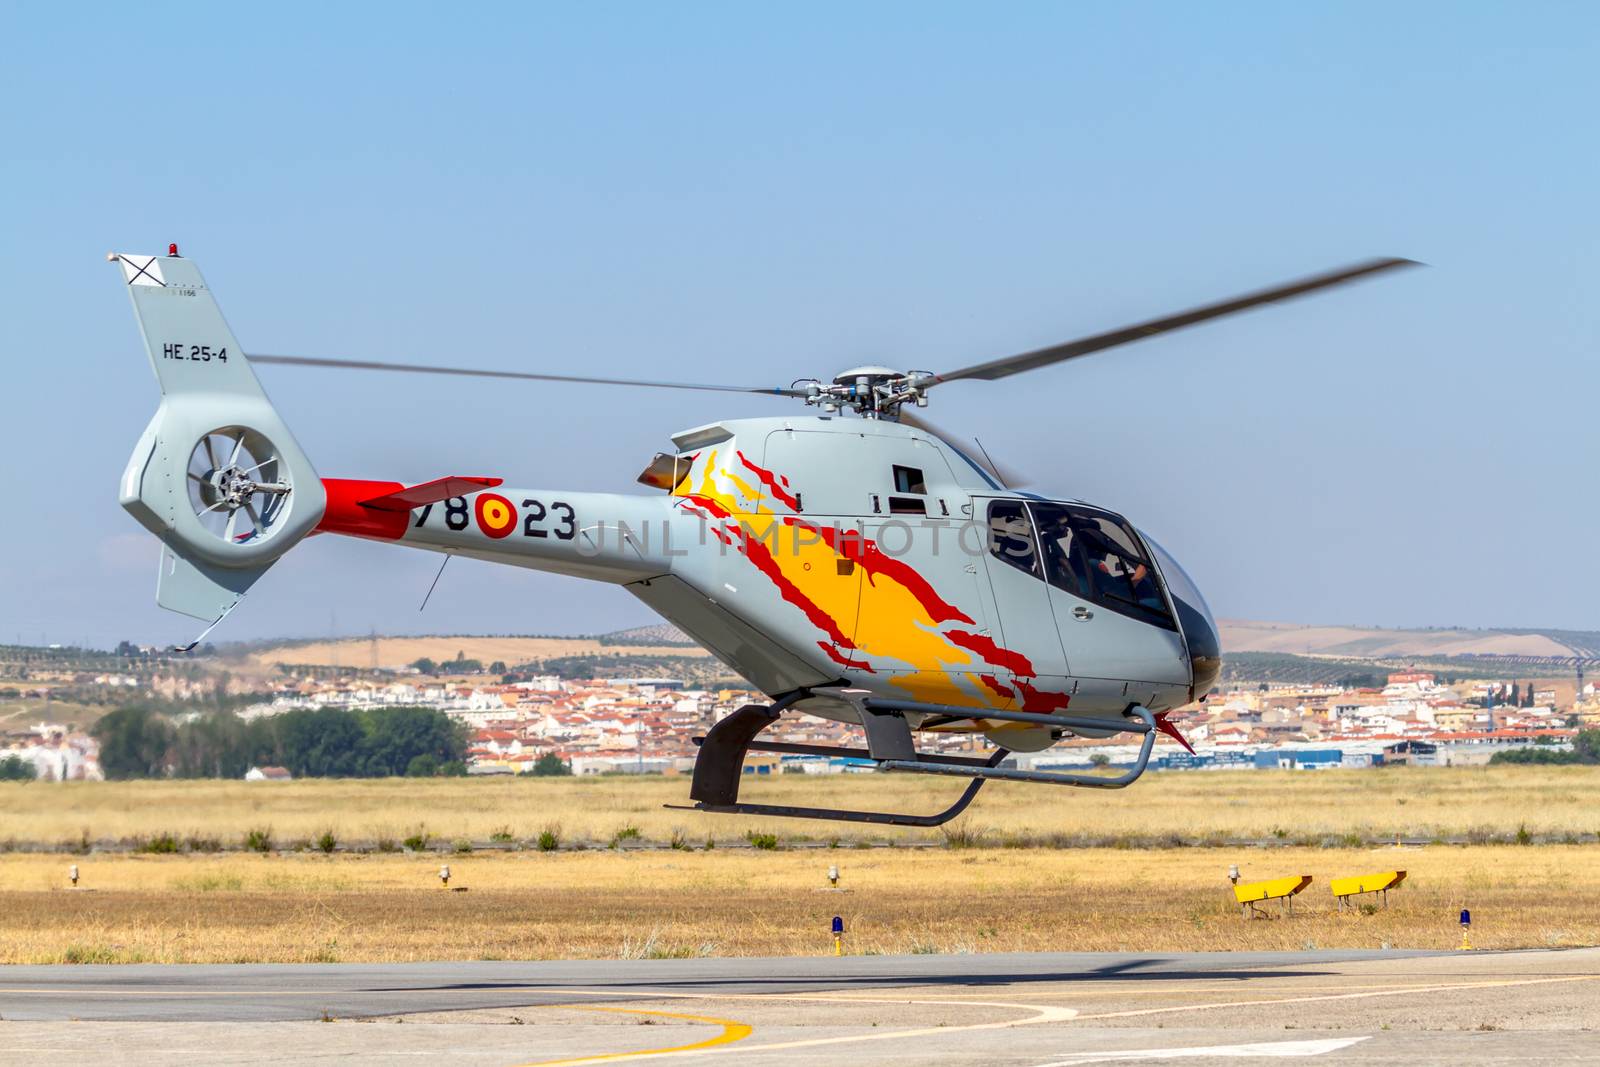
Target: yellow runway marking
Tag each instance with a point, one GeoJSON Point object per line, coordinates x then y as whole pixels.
{"type": "Point", "coordinates": [731, 1031]}
{"type": "Point", "coordinates": [1043, 1013]}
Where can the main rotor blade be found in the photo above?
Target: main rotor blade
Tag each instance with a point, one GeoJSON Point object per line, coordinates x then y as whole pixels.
{"type": "Point", "coordinates": [971, 448]}
{"type": "Point", "coordinates": [469, 372]}
{"type": "Point", "coordinates": [1002, 368]}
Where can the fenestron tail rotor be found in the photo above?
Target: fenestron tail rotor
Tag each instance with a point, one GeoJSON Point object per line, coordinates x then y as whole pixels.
{"type": "Point", "coordinates": [236, 486]}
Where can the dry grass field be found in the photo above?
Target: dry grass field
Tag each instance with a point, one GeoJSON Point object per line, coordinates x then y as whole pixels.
{"type": "Point", "coordinates": [1476, 805]}
{"type": "Point", "coordinates": [20, 713]}
{"type": "Point", "coordinates": [529, 905]}
{"type": "Point", "coordinates": [1102, 872]}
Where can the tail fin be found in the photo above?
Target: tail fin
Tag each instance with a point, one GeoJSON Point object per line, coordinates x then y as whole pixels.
{"type": "Point", "coordinates": [216, 475]}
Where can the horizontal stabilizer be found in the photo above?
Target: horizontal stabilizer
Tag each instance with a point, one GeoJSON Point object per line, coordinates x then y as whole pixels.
{"type": "Point", "coordinates": [434, 492]}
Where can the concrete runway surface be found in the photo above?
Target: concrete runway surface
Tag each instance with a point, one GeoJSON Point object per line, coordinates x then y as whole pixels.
{"type": "Point", "coordinates": [1045, 1010]}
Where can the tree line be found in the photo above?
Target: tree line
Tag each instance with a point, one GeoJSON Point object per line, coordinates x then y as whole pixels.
{"type": "Point", "coordinates": [17, 769]}
{"type": "Point", "coordinates": [142, 742]}
{"type": "Point", "coordinates": [1585, 750]}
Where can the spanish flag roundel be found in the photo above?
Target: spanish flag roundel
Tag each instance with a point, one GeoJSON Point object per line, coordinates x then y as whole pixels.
{"type": "Point", "coordinates": [496, 516]}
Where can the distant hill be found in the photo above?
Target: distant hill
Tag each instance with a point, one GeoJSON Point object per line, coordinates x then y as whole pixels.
{"type": "Point", "coordinates": [662, 633]}
{"type": "Point", "coordinates": [1372, 642]}
{"type": "Point", "coordinates": [1246, 668]}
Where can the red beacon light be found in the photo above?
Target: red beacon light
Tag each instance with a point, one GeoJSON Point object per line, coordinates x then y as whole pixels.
{"type": "Point", "coordinates": [172, 250]}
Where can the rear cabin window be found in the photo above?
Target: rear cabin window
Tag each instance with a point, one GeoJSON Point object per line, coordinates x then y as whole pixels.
{"type": "Point", "coordinates": [909, 480]}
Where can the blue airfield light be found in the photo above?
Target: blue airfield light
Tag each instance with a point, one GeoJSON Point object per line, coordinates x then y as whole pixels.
{"type": "Point", "coordinates": [838, 924]}
{"type": "Point", "coordinates": [1466, 917]}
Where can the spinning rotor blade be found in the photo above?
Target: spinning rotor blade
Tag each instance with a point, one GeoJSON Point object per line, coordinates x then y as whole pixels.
{"type": "Point", "coordinates": [1002, 368]}
{"type": "Point", "coordinates": [1008, 477]}
{"type": "Point", "coordinates": [468, 372]}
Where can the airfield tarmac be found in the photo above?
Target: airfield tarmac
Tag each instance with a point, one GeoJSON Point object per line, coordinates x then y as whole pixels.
{"type": "Point", "coordinates": [1034, 1010]}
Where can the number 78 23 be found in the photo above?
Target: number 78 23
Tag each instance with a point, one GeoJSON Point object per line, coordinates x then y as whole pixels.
{"type": "Point", "coordinates": [456, 514]}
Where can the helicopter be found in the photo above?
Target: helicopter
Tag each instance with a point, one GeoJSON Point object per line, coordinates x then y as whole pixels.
{"type": "Point", "coordinates": [850, 561]}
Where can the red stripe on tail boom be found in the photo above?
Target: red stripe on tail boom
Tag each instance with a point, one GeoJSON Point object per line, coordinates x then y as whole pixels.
{"type": "Point", "coordinates": [348, 514]}
{"type": "Point", "coordinates": [361, 508]}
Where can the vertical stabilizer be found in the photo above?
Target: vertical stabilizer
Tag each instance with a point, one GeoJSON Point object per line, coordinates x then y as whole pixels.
{"type": "Point", "coordinates": [217, 475]}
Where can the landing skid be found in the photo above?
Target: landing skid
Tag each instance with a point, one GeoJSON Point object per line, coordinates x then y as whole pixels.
{"type": "Point", "coordinates": [719, 768]}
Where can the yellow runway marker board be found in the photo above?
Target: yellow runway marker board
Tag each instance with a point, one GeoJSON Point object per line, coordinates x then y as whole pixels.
{"type": "Point", "coordinates": [1366, 883]}
{"type": "Point", "coordinates": [1381, 882]}
{"type": "Point", "coordinates": [1272, 889]}
{"type": "Point", "coordinates": [1251, 893]}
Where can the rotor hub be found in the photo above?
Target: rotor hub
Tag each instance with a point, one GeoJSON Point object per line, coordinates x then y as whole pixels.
{"type": "Point", "coordinates": [871, 391]}
{"type": "Point", "coordinates": [872, 375]}
{"type": "Point", "coordinates": [231, 485]}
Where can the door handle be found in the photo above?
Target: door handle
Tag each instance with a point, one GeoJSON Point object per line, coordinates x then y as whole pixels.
{"type": "Point", "coordinates": [1082, 613]}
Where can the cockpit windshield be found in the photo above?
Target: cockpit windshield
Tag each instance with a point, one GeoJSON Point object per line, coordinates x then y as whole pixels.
{"type": "Point", "coordinates": [1194, 616]}
{"type": "Point", "coordinates": [1179, 584]}
{"type": "Point", "coordinates": [1095, 556]}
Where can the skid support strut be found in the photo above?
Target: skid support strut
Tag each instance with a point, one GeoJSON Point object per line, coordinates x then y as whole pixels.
{"type": "Point", "coordinates": [719, 768]}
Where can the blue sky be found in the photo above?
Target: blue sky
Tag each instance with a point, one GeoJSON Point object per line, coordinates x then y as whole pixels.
{"type": "Point", "coordinates": [754, 193]}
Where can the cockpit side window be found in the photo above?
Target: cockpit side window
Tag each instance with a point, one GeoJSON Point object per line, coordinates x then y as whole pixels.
{"type": "Point", "coordinates": [1011, 536]}
{"type": "Point", "coordinates": [1097, 557]}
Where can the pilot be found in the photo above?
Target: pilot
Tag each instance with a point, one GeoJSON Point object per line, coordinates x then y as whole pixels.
{"type": "Point", "coordinates": [1120, 573]}
{"type": "Point", "coordinates": [1117, 566]}
{"type": "Point", "coordinates": [1069, 567]}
